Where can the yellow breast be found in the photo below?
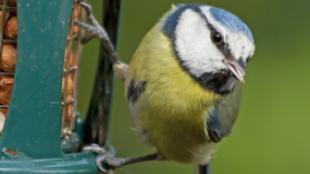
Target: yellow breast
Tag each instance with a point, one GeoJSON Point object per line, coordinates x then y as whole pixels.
{"type": "Point", "coordinates": [171, 112]}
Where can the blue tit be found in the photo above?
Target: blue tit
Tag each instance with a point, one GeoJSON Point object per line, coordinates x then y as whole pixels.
{"type": "Point", "coordinates": [184, 81]}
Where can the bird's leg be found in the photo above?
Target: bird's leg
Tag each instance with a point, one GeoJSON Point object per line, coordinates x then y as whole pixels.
{"type": "Point", "coordinates": [204, 169]}
{"type": "Point", "coordinates": [96, 30]}
{"type": "Point", "coordinates": [106, 161]}
{"type": "Point", "coordinates": [111, 162]}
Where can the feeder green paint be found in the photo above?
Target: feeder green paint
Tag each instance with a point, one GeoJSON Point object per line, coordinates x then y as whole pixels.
{"type": "Point", "coordinates": [31, 142]}
{"type": "Point", "coordinates": [69, 164]}
{"type": "Point", "coordinates": [33, 124]}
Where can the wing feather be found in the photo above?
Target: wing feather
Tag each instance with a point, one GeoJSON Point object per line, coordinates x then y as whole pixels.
{"type": "Point", "coordinates": [223, 115]}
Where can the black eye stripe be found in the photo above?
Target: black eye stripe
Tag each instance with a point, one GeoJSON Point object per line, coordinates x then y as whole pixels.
{"type": "Point", "coordinates": [222, 46]}
{"type": "Point", "coordinates": [220, 43]}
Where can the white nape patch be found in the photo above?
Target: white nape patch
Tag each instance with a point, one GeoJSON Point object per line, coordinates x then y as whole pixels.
{"type": "Point", "coordinates": [195, 47]}
{"type": "Point", "coordinates": [240, 45]}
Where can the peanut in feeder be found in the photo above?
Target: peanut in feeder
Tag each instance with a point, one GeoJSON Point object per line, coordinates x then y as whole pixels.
{"type": "Point", "coordinates": [11, 28]}
{"type": "Point", "coordinates": [8, 34]}
{"type": "Point", "coordinates": [8, 58]}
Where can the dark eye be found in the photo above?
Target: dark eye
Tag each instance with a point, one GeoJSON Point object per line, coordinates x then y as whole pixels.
{"type": "Point", "coordinates": [216, 37]}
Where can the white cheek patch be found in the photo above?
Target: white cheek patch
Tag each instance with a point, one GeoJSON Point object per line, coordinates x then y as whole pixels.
{"type": "Point", "coordinates": [194, 46]}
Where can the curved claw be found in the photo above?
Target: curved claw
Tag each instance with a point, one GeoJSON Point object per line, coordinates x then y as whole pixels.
{"type": "Point", "coordinates": [100, 161]}
{"type": "Point", "coordinates": [104, 159]}
{"type": "Point", "coordinates": [107, 161]}
{"type": "Point", "coordinates": [87, 7]}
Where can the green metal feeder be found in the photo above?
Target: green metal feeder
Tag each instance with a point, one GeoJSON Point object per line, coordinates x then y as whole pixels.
{"type": "Point", "coordinates": [35, 138]}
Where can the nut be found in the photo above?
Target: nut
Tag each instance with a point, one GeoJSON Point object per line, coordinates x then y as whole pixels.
{"type": "Point", "coordinates": [2, 120]}
{"type": "Point", "coordinates": [6, 86]}
{"type": "Point", "coordinates": [8, 58]}
{"type": "Point", "coordinates": [68, 113]}
{"type": "Point", "coordinates": [69, 84]}
{"type": "Point", "coordinates": [11, 29]}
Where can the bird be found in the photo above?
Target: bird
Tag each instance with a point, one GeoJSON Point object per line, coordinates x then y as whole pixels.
{"type": "Point", "coordinates": [184, 82]}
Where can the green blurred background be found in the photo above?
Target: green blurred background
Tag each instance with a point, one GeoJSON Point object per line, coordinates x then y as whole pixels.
{"type": "Point", "coordinates": [271, 135]}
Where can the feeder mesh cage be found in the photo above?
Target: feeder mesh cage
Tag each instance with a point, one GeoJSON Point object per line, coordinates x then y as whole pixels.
{"type": "Point", "coordinates": [8, 52]}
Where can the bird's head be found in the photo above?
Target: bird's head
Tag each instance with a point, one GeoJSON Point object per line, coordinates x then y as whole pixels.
{"type": "Point", "coordinates": [211, 44]}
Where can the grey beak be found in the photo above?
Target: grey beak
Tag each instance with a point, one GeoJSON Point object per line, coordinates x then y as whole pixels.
{"type": "Point", "coordinates": [236, 69]}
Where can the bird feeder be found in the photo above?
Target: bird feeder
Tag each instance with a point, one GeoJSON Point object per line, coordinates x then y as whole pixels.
{"type": "Point", "coordinates": [39, 70]}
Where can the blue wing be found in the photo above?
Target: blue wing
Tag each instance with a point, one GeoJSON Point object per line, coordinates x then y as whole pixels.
{"type": "Point", "coordinates": [223, 114]}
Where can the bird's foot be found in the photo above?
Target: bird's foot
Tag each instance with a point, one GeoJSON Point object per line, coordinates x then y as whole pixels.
{"type": "Point", "coordinates": [95, 30]}
{"type": "Point", "coordinates": [92, 26]}
{"type": "Point", "coordinates": [106, 161]}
